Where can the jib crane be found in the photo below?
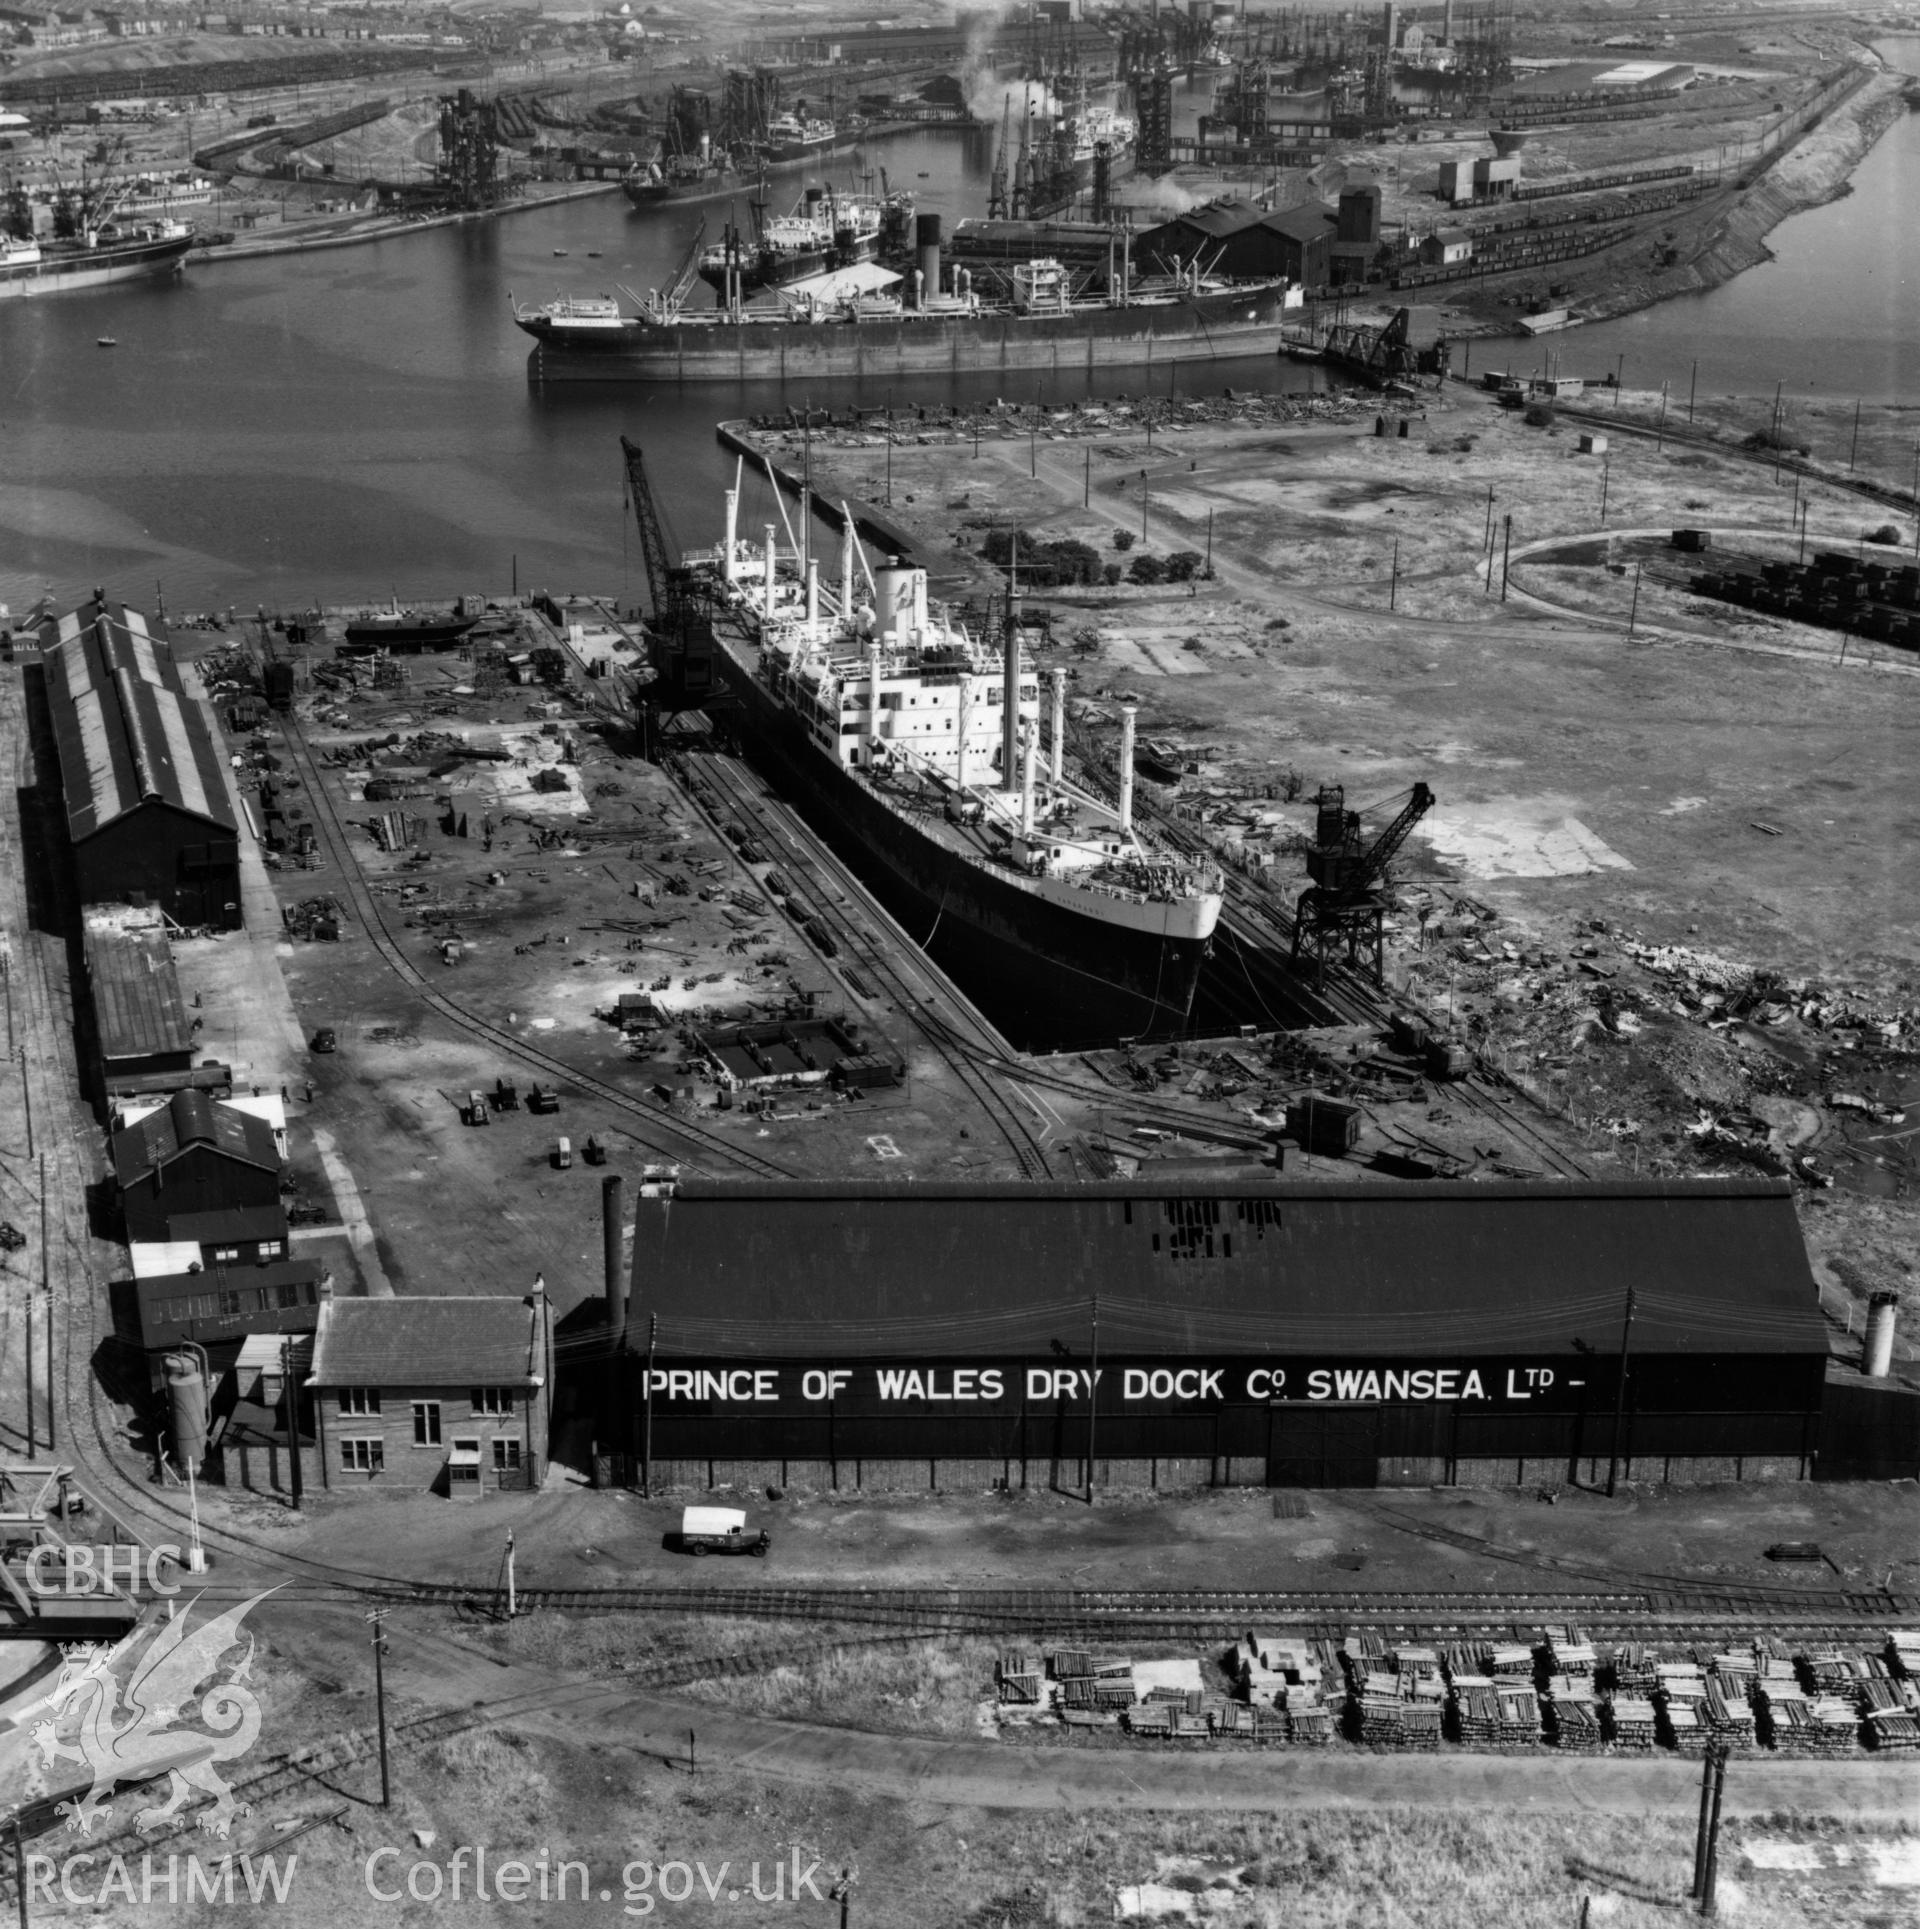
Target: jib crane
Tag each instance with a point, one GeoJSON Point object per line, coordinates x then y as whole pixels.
{"type": "Point", "coordinates": [1346, 904]}
{"type": "Point", "coordinates": [682, 630]}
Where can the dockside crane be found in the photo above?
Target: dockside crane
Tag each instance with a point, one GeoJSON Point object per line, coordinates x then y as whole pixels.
{"type": "Point", "coordinates": [681, 629]}
{"type": "Point", "coordinates": [1345, 906]}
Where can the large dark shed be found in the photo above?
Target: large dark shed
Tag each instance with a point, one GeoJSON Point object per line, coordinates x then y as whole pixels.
{"type": "Point", "coordinates": [145, 784]}
{"type": "Point", "coordinates": [916, 1334]}
{"type": "Point", "coordinates": [194, 1155]}
{"type": "Point", "coordinates": [1240, 240]}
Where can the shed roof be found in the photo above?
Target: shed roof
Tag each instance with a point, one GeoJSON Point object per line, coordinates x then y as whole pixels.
{"type": "Point", "coordinates": [737, 1268]}
{"type": "Point", "coordinates": [1309, 223]}
{"type": "Point", "coordinates": [1214, 219]}
{"type": "Point", "coordinates": [458, 1342]}
{"type": "Point", "coordinates": [136, 994]}
{"type": "Point", "coordinates": [126, 732]}
{"type": "Point", "coordinates": [228, 1225]}
{"type": "Point", "coordinates": [191, 1119]}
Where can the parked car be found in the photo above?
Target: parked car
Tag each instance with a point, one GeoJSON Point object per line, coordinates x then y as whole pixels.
{"type": "Point", "coordinates": [326, 1039]}
{"type": "Point", "coordinates": [719, 1530]}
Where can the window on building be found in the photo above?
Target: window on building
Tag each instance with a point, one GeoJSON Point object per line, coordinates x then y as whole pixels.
{"type": "Point", "coordinates": [493, 1399]}
{"type": "Point", "coordinates": [288, 1293]}
{"type": "Point", "coordinates": [224, 1255]}
{"type": "Point", "coordinates": [360, 1399]}
{"type": "Point", "coordinates": [272, 1248]}
{"type": "Point", "coordinates": [506, 1456]}
{"type": "Point", "coordinates": [234, 1300]}
{"type": "Point", "coordinates": [363, 1456]}
{"type": "Point", "coordinates": [426, 1423]}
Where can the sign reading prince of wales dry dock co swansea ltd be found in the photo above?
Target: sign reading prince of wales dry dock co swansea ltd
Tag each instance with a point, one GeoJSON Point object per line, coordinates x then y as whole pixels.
{"type": "Point", "coordinates": [1118, 1384]}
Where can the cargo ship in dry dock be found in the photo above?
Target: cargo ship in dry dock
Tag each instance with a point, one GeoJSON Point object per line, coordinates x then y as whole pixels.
{"type": "Point", "coordinates": [919, 753]}
{"type": "Point", "coordinates": [870, 321]}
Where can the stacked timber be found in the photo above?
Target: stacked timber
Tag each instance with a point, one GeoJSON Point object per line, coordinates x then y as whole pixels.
{"type": "Point", "coordinates": [1633, 1722]}
{"type": "Point", "coordinates": [1729, 1714]}
{"type": "Point", "coordinates": [1476, 1710]}
{"type": "Point", "coordinates": [1150, 1720]}
{"type": "Point", "coordinates": [1570, 1653]}
{"type": "Point", "coordinates": [1634, 1670]}
{"type": "Point", "coordinates": [1518, 1708]}
{"type": "Point", "coordinates": [1833, 1726]}
{"type": "Point", "coordinates": [1572, 1712]}
{"type": "Point", "coordinates": [1903, 1653]}
{"type": "Point", "coordinates": [1890, 1708]}
{"type": "Point", "coordinates": [1021, 1677]}
{"type": "Point", "coordinates": [1310, 1724]}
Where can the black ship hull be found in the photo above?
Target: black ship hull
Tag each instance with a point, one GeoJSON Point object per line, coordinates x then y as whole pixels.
{"type": "Point", "coordinates": [1049, 976]}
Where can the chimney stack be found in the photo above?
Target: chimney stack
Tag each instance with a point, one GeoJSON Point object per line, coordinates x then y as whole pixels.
{"type": "Point", "coordinates": [612, 1229]}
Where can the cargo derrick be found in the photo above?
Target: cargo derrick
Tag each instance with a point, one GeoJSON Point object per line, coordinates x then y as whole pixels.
{"type": "Point", "coordinates": [682, 631]}
{"type": "Point", "coordinates": [1346, 904]}
{"type": "Point", "coordinates": [469, 149]}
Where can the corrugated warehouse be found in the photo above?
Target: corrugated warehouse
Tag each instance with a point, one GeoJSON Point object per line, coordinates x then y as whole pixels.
{"type": "Point", "coordinates": [140, 1019]}
{"type": "Point", "coordinates": [147, 804]}
{"type": "Point", "coordinates": [1244, 242]}
{"type": "Point", "coordinates": [915, 1335]}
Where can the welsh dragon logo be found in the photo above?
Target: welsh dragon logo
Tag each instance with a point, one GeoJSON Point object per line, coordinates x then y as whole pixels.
{"type": "Point", "coordinates": [119, 1713]}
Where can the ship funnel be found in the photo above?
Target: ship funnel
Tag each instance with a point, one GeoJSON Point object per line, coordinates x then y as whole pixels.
{"type": "Point", "coordinates": [768, 611]}
{"type": "Point", "coordinates": [893, 599]}
{"type": "Point", "coordinates": [1127, 716]}
{"type": "Point", "coordinates": [926, 242]}
{"type": "Point", "coordinates": [1058, 679]}
{"type": "Point", "coordinates": [733, 533]}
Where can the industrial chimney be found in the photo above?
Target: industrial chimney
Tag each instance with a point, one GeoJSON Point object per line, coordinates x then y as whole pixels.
{"type": "Point", "coordinates": [926, 241]}
{"type": "Point", "coordinates": [1877, 1361]}
{"type": "Point", "coordinates": [612, 1231]}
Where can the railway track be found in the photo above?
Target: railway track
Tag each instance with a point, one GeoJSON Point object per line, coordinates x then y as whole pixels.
{"type": "Point", "coordinates": [877, 956]}
{"type": "Point", "coordinates": [676, 1140]}
{"type": "Point", "coordinates": [1643, 1610]}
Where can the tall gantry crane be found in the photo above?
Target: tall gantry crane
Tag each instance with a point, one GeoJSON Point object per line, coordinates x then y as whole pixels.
{"type": "Point", "coordinates": [682, 630]}
{"type": "Point", "coordinates": [1345, 906]}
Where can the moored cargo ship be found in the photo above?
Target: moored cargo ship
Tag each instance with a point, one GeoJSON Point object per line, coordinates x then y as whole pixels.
{"type": "Point", "coordinates": [919, 753]}
{"type": "Point", "coordinates": [93, 260]}
{"type": "Point", "coordinates": [867, 329]}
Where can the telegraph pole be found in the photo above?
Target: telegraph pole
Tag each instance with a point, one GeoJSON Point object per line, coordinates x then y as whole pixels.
{"type": "Point", "coordinates": [1393, 585]}
{"type": "Point", "coordinates": [1093, 1389]}
{"type": "Point", "coordinates": [646, 1423]}
{"type": "Point", "coordinates": [380, 1701]}
{"type": "Point", "coordinates": [1506, 558]}
{"type": "Point", "coordinates": [1620, 1394]}
{"type": "Point", "coordinates": [293, 1422]}
{"type": "Point", "coordinates": [46, 1286]}
{"type": "Point", "coordinates": [1633, 609]}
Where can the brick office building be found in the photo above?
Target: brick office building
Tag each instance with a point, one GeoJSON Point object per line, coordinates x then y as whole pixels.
{"type": "Point", "coordinates": [449, 1396]}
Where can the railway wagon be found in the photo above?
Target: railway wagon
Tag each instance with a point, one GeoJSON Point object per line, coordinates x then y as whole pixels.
{"type": "Point", "coordinates": [1177, 1334]}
